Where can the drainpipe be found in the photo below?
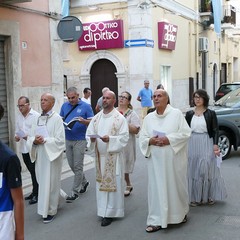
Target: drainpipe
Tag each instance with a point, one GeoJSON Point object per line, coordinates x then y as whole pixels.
{"type": "Point", "coordinates": [197, 43]}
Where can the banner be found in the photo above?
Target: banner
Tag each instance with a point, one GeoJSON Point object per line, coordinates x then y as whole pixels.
{"type": "Point", "coordinates": [217, 16]}
{"type": "Point", "coordinates": [65, 8]}
{"type": "Point", "coordinates": [167, 35]}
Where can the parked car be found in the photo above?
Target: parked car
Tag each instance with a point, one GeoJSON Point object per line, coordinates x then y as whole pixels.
{"type": "Point", "coordinates": [227, 110]}
{"type": "Point", "coordinates": [226, 88]}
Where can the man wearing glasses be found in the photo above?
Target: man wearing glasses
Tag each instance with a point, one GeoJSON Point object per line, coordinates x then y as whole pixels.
{"type": "Point", "coordinates": [24, 123]}
{"type": "Point", "coordinates": [47, 143]}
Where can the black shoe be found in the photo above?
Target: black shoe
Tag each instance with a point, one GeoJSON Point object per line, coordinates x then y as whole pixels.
{"type": "Point", "coordinates": [72, 198]}
{"type": "Point", "coordinates": [85, 188]}
{"type": "Point", "coordinates": [29, 197]}
{"type": "Point", "coordinates": [48, 219]}
{"type": "Point", "coordinates": [33, 200]}
{"type": "Point", "coordinates": [185, 219]}
{"type": "Point", "coordinates": [106, 221]}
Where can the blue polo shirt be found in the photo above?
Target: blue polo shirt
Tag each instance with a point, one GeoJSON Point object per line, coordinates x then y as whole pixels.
{"type": "Point", "coordinates": [83, 110]}
{"type": "Point", "coordinates": [146, 97]}
{"type": "Point", "coordinates": [10, 177]}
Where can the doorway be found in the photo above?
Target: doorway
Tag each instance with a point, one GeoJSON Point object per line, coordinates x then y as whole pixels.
{"type": "Point", "coordinates": [102, 74]}
{"type": "Point", "coordinates": [4, 130]}
{"type": "Point", "coordinates": [215, 81]}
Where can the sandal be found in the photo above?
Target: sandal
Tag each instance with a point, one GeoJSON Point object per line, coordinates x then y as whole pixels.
{"type": "Point", "coordinates": [211, 202]}
{"type": "Point", "coordinates": [128, 191]}
{"type": "Point", "coordinates": [151, 228]}
{"type": "Point", "coordinates": [194, 204]}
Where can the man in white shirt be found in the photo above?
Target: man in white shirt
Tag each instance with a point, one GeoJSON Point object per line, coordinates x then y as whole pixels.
{"type": "Point", "coordinates": [24, 122]}
{"type": "Point", "coordinates": [87, 95]}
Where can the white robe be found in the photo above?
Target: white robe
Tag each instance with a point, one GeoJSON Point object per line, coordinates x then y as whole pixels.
{"type": "Point", "coordinates": [130, 150]}
{"type": "Point", "coordinates": [48, 159]}
{"type": "Point", "coordinates": [167, 167]}
{"type": "Point", "coordinates": [110, 204]}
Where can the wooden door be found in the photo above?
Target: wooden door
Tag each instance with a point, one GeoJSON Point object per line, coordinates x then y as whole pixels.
{"type": "Point", "coordinates": [103, 74]}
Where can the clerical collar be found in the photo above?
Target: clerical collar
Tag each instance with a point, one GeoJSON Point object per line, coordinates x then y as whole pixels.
{"type": "Point", "coordinates": [47, 114]}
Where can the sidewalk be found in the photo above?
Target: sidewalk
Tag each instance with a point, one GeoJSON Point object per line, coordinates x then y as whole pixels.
{"type": "Point", "coordinates": [66, 172]}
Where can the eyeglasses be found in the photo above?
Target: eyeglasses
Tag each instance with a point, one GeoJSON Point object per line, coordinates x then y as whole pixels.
{"type": "Point", "coordinates": [197, 97]}
{"type": "Point", "coordinates": [122, 97]}
{"type": "Point", "coordinates": [23, 105]}
{"type": "Point", "coordinates": [42, 120]}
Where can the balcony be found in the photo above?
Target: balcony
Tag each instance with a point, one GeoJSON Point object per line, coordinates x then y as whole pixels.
{"type": "Point", "coordinates": [14, 1]}
{"type": "Point", "coordinates": [205, 13]}
{"type": "Point", "coordinates": [229, 17]}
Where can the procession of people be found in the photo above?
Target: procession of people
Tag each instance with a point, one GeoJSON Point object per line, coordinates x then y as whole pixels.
{"type": "Point", "coordinates": [180, 153]}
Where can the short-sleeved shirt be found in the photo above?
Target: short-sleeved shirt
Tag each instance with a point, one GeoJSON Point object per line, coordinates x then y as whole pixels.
{"type": "Point", "coordinates": [10, 177]}
{"type": "Point", "coordinates": [146, 97]}
{"type": "Point", "coordinates": [83, 110]}
{"type": "Point", "coordinates": [86, 100]}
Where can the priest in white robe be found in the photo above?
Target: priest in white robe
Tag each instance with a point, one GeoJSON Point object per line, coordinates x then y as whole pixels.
{"type": "Point", "coordinates": [108, 134]}
{"type": "Point", "coordinates": [46, 144]}
{"type": "Point", "coordinates": [163, 141]}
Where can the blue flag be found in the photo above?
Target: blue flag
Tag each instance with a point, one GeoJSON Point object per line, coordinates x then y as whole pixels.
{"type": "Point", "coordinates": [217, 15]}
{"type": "Point", "coordinates": [65, 8]}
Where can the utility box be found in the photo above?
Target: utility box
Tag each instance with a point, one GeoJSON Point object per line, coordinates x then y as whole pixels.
{"type": "Point", "coordinates": [203, 44]}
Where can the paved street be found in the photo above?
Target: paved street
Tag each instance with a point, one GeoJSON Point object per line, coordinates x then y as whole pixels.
{"type": "Point", "coordinates": [78, 220]}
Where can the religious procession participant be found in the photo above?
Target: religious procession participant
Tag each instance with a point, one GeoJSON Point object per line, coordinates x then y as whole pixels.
{"type": "Point", "coordinates": [205, 181]}
{"type": "Point", "coordinates": [163, 141]}
{"type": "Point", "coordinates": [77, 115]}
{"type": "Point", "coordinates": [108, 135]}
{"type": "Point", "coordinates": [46, 144]}
{"type": "Point", "coordinates": [125, 107]}
{"type": "Point", "coordinates": [23, 126]}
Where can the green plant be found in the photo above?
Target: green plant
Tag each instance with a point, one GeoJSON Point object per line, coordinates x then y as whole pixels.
{"type": "Point", "coordinates": [208, 5]}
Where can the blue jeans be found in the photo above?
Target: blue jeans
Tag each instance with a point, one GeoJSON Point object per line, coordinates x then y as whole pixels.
{"type": "Point", "coordinates": [75, 155]}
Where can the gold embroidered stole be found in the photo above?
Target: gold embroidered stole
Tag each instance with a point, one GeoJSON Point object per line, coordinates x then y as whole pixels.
{"type": "Point", "coordinates": [108, 179]}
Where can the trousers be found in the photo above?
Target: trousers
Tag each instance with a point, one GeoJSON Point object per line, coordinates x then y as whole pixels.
{"type": "Point", "coordinates": [31, 168]}
{"type": "Point", "coordinates": [75, 155]}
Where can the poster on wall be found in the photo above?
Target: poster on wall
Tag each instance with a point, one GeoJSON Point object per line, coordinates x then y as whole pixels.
{"type": "Point", "coordinates": [167, 35]}
{"type": "Point", "coordinates": [102, 35]}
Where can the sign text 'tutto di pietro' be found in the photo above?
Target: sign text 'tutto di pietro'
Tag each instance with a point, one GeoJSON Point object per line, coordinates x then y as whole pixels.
{"type": "Point", "coordinates": [102, 35]}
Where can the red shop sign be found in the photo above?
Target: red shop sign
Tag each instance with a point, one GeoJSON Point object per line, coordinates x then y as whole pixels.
{"type": "Point", "coordinates": [167, 35]}
{"type": "Point", "coordinates": [102, 35]}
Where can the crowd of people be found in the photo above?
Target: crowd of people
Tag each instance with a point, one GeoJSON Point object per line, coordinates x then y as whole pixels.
{"type": "Point", "coordinates": [181, 154]}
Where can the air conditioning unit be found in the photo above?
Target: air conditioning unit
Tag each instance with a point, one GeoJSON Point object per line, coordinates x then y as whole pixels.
{"type": "Point", "coordinates": [203, 44]}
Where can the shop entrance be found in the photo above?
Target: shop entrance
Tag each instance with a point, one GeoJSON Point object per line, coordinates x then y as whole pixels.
{"type": "Point", "coordinates": [102, 74]}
